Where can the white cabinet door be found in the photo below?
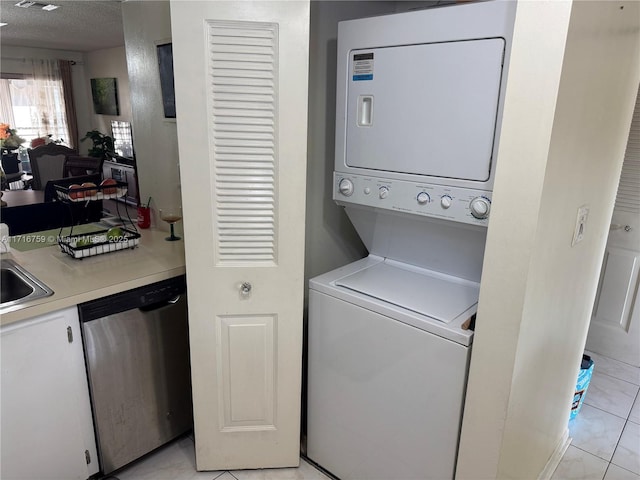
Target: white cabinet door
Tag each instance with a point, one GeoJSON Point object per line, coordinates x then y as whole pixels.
{"type": "Point", "coordinates": [45, 410]}
{"type": "Point", "coordinates": [241, 98]}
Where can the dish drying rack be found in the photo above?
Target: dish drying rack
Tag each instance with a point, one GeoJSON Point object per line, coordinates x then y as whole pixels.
{"type": "Point", "coordinates": [101, 241]}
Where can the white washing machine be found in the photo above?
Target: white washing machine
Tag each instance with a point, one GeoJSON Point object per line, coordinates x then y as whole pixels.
{"type": "Point", "coordinates": [419, 111]}
{"type": "Point", "coordinates": [387, 382]}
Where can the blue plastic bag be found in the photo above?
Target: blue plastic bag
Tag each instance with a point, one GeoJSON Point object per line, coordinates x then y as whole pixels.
{"type": "Point", "coordinates": [584, 377]}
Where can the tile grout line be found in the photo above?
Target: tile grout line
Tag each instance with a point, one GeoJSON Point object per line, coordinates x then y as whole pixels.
{"type": "Point", "coordinates": [621, 433]}
{"type": "Point", "coordinates": [632, 402]}
{"type": "Point", "coordinates": [626, 421]}
{"type": "Point", "coordinates": [600, 372]}
{"type": "Point", "coordinates": [593, 454]}
{"type": "Point", "coordinates": [610, 413]}
{"type": "Point", "coordinates": [611, 376]}
{"type": "Point", "coordinates": [622, 468]}
{"type": "Point", "coordinates": [616, 363]}
{"type": "Point", "coordinates": [609, 463]}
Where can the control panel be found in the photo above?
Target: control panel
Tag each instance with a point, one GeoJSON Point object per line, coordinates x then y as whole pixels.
{"type": "Point", "coordinates": [438, 201]}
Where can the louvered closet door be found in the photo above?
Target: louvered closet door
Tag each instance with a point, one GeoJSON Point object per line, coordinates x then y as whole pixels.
{"type": "Point", "coordinates": [241, 97]}
{"type": "Point", "coordinates": [615, 323]}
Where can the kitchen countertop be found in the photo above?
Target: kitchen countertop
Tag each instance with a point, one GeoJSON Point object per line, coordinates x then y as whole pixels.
{"type": "Point", "coordinates": [76, 281]}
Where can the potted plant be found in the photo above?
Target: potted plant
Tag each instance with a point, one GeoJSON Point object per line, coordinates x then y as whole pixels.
{"type": "Point", "coordinates": [102, 144]}
{"type": "Point", "coordinates": [9, 139]}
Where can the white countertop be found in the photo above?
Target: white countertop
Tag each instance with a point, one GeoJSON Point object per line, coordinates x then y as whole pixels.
{"type": "Point", "coordinates": [76, 281]}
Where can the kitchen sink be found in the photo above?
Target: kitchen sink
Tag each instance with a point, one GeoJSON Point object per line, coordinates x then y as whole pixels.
{"type": "Point", "coordinates": [18, 286]}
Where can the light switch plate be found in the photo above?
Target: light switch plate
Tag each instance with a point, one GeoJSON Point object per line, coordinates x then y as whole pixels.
{"type": "Point", "coordinates": [581, 224]}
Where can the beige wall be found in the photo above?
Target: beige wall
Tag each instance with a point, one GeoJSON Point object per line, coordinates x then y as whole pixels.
{"type": "Point", "coordinates": [567, 117]}
{"type": "Point", "coordinates": [146, 25]}
{"type": "Point", "coordinates": [107, 63]}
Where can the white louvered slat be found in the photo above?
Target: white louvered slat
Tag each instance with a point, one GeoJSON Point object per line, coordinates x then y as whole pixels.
{"type": "Point", "coordinates": [243, 112]}
{"type": "Point", "coordinates": [243, 107]}
{"type": "Point", "coordinates": [628, 198]}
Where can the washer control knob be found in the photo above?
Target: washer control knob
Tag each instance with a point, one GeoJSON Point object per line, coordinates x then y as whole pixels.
{"type": "Point", "coordinates": [445, 201]}
{"type": "Point", "coordinates": [346, 187]}
{"type": "Point", "coordinates": [480, 207]}
{"type": "Point", "coordinates": [384, 192]}
{"type": "Point", "coordinates": [423, 198]}
{"type": "Point", "coordinates": [367, 190]}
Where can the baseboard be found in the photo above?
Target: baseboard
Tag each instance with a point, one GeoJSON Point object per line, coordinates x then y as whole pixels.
{"type": "Point", "coordinates": [556, 457]}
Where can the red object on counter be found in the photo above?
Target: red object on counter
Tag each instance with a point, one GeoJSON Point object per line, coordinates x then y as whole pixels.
{"type": "Point", "coordinates": [144, 217]}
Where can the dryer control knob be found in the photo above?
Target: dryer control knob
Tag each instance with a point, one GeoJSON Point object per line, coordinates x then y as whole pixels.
{"type": "Point", "coordinates": [346, 187]}
{"type": "Point", "coordinates": [384, 192]}
{"type": "Point", "coordinates": [445, 201]}
{"type": "Point", "coordinates": [423, 198]}
{"type": "Point", "coordinates": [480, 207]}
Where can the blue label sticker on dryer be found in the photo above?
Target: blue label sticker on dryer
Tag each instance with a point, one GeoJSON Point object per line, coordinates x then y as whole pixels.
{"type": "Point", "coordinates": [362, 67]}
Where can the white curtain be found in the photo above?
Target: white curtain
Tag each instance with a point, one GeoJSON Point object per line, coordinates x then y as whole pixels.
{"type": "Point", "coordinates": [47, 100]}
{"type": "Point", "coordinates": [6, 108]}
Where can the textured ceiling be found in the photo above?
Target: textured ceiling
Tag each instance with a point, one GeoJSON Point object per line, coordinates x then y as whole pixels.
{"type": "Point", "coordinates": [79, 25]}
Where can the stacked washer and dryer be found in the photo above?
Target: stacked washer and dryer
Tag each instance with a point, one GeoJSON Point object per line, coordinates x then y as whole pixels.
{"type": "Point", "coordinates": [419, 109]}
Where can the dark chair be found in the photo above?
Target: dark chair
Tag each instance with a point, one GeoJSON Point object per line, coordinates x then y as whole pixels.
{"type": "Point", "coordinates": [11, 167]}
{"type": "Point", "coordinates": [76, 166]}
{"type": "Point", "coordinates": [47, 163]}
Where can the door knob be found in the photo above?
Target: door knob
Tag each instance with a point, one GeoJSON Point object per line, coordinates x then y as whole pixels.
{"type": "Point", "coordinates": [245, 288]}
{"type": "Point", "coordinates": [617, 226]}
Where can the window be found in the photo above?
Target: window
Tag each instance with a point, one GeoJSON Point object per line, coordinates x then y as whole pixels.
{"type": "Point", "coordinates": [122, 138]}
{"type": "Point", "coordinates": [37, 107]}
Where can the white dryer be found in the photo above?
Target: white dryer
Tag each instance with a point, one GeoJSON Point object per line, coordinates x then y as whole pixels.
{"type": "Point", "coordinates": [419, 111]}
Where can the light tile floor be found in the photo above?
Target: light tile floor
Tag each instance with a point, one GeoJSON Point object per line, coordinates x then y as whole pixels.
{"type": "Point", "coordinates": [176, 461]}
{"type": "Point", "coordinates": [605, 446]}
{"type": "Point", "coordinates": [606, 432]}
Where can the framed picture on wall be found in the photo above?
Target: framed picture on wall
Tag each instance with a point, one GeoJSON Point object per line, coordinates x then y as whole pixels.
{"type": "Point", "coordinates": [105, 96]}
{"type": "Point", "coordinates": [165, 63]}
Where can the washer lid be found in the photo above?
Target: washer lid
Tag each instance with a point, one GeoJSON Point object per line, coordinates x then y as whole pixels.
{"type": "Point", "coordinates": [426, 292]}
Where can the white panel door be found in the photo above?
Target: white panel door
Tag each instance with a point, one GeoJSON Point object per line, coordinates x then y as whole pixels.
{"type": "Point", "coordinates": [615, 322]}
{"type": "Point", "coordinates": [241, 95]}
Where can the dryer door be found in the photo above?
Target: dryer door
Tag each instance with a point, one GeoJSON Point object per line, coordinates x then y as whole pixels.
{"type": "Point", "coordinates": [425, 109]}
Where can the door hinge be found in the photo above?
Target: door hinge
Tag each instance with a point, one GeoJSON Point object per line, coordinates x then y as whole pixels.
{"type": "Point", "coordinates": [70, 334]}
{"type": "Point", "coordinates": [87, 456]}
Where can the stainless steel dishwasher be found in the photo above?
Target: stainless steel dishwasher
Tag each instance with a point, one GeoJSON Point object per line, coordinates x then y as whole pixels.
{"type": "Point", "coordinates": [137, 351]}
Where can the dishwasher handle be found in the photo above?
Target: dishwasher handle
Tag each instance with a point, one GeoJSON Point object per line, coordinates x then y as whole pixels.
{"type": "Point", "coordinates": [159, 305]}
